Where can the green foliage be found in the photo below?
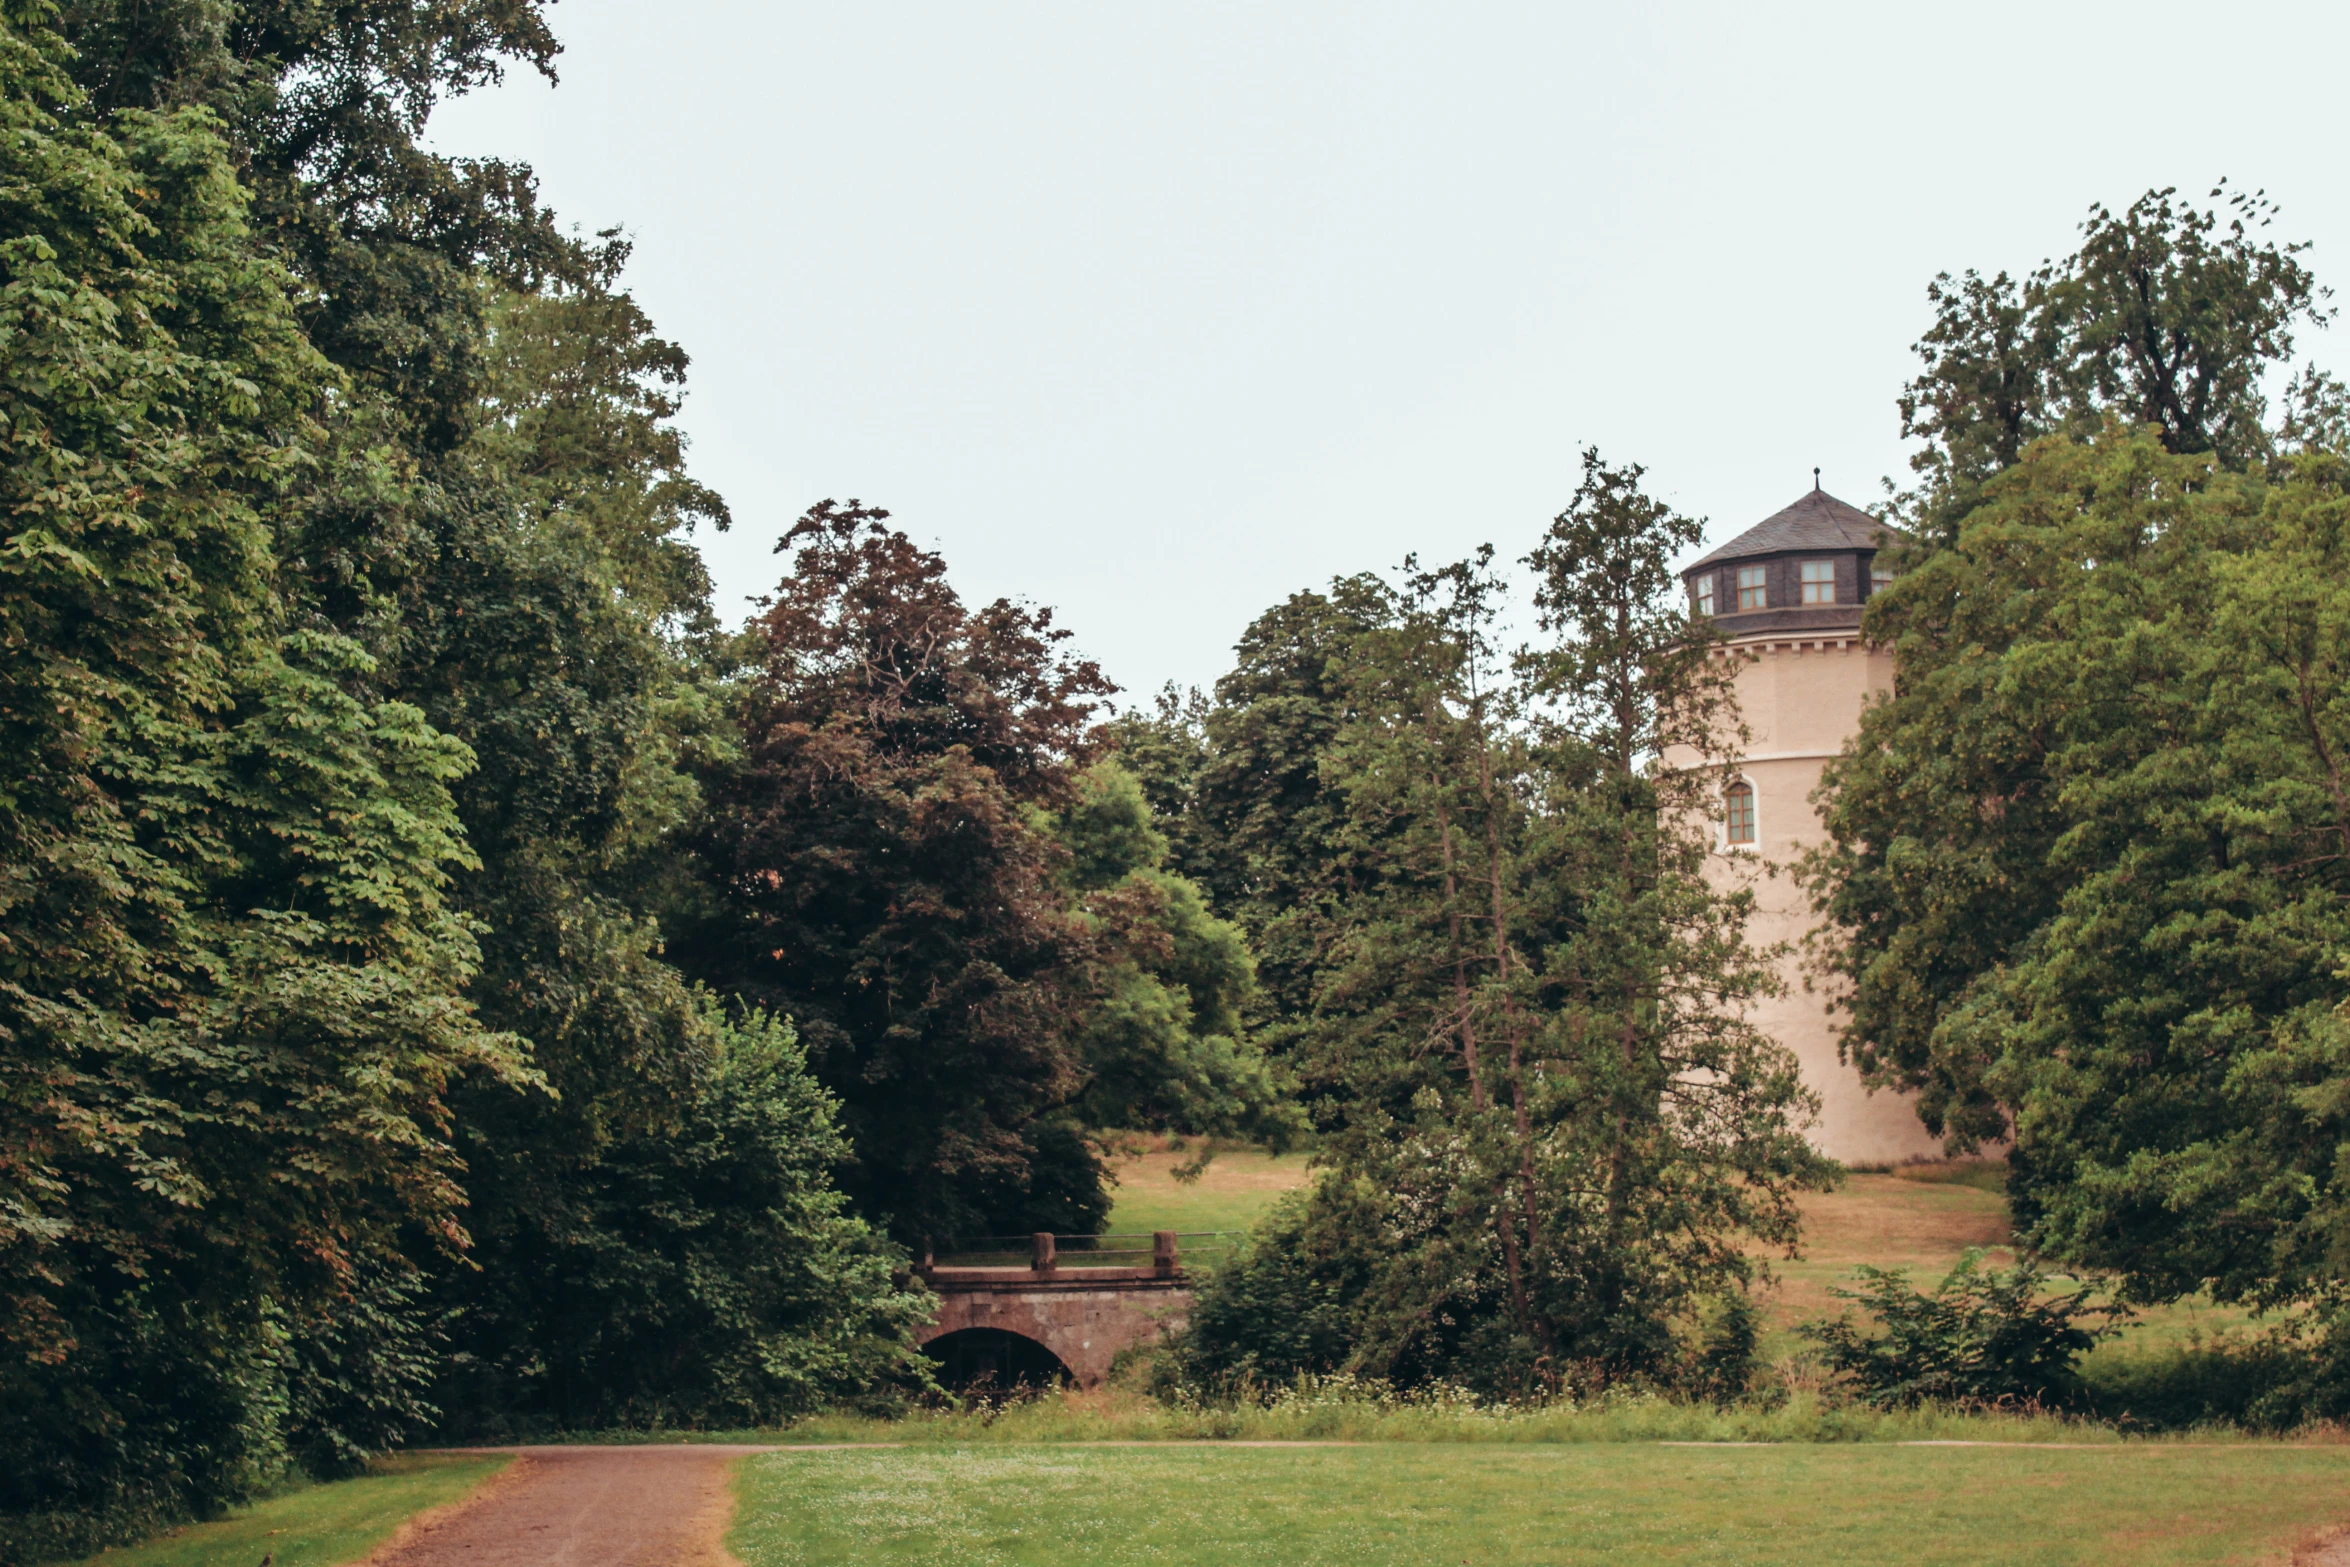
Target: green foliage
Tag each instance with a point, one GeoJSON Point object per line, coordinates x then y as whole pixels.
{"type": "Point", "coordinates": [1550, 1131]}
{"type": "Point", "coordinates": [2088, 859]}
{"type": "Point", "coordinates": [323, 107]}
{"type": "Point", "coordinates": [1728, 1361]}
{"type": "Point", "coordinates": [709, 1273]}
{"type": "Point", "coordinates": [1165, 750]}
{"type": "Point", "coordinates": [1981, 1336]}
{"type": "Point", "coordinates": [1291, 1304]}
{"type": "Point", "coordinates": [1163, 1039]}
{"type": "Point", "coordinates": [1267, 819]}
{"type": "Point", "coordinates": [2168, 315]}
{"type": "Point", "coordinates": [353, 677]}
{"type": "Point", "coordinates": [2257, 1383]}
{"type": "Point", "coordinates": [231, 1010]}
{"type": "Point", "coordinates": [563, 633]}
{"type": "Point", "coordinates": [2292, 1375]}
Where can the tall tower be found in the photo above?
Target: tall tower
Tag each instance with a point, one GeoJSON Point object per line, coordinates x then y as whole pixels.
{"type": "Point", "coordinates": [1788, 594]}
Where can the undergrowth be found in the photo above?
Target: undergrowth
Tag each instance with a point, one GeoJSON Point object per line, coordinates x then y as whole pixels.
{"type": "Point", "coordinates": [1345, 1409]}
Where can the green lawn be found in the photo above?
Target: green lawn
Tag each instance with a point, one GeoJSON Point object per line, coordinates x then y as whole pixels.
{"type": "Point", "coordinates": [1231, 1194]}
{"type": "Point", "coordinates": [2150, 1505]}
{"type": "Point", "coordinates": [317, 1525]}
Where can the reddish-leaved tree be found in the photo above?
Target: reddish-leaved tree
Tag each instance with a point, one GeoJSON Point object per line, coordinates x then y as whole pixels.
{"type": "Point", "coordinates": [888, 879]}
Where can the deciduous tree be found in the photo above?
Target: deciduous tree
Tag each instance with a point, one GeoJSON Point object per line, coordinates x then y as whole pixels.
{"type": "Point", "coordinates": [887, 877]}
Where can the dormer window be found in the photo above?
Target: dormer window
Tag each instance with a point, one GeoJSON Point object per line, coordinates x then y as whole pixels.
{"type": "Point", "coordinates": [1705, 594]}
{"type": "Point", "coordinates": [1738, 812]}
{"type": "Point", "coordinates": [1880, 577]}
{"type": "Point", "coordinates": [1752, 593]}
{"type": "Point", "coordinates": [1819, 582]}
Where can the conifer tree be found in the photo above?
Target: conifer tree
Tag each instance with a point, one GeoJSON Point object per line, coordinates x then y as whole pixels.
{"type": "Point", "coordinates": [1551, 1129]}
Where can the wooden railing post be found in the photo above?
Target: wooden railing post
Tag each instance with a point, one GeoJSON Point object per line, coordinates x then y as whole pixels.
{"type": "Point", "coordinates": [1042, 1257]}
{"type": "Point", "coordinates": [1163, 1252]}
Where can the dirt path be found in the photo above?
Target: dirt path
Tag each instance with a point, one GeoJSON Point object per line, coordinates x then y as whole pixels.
{"type": "Point", "coordinates": [662, 1506]}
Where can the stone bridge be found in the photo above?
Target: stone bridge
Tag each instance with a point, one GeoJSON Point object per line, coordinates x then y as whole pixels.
{"type": "Point", "coordinates": [1059, 1316]}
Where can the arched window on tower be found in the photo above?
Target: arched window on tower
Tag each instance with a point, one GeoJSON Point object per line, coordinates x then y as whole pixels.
{"type": "Point", "coordinates": [1738, 811]}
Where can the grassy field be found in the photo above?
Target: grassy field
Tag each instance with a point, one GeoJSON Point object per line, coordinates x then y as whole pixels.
{"type": "Point", "coordinates": [1888, 1221]}
{"type": "Point", "coordinates": [317, 1525]}
{"type": "Point", "coordinates": [1922, 1218]}
{"type": "Point", "coordinates": [2147, 1504]}
{"type": "Point", "coordinates": [1232, 1194]}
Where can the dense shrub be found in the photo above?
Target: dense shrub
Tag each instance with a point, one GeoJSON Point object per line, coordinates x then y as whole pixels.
{"type": "Point", "coordinates": [1288, 1305]}
{"type": "Point", "coordinates": [703, 1272]}
{"type": "Point", "coordinates": [1726, 1361]}
{"type": "Point", "coordinates": [1318, 1292]}
{"type": "Point", "coordinates": [1980, 1336]}
{"type": "Point", "coordinates": [2296, 1373]}
{"type": "Point", "coordinates": [168, 1405]}
{"type": "Point", "coordinates": [2258, 1383]}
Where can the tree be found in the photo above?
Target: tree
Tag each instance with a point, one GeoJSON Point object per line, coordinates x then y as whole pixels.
{"type": "Point", "coordinates": [884, 876]}
{"type": "Point", "coordinates": [1163, 1038]}
{"type": "Point", "coordinates": [2167, 315]}
{"type": "Point", "coordinates": [1165, 750]}
{"type": "Point", "coordinates": [1694, 1116]}
{"type": "Point", "coordinates": [324, 107]}
{"type": "Point", "coordinates": [233, 1002]}
{"type": "Point", "coordinates": [2112, 766]}
{"type": "Point", "coordinates": [1550, 1130]}
{"type": "Point", "coordinates": [565, 632]}
{"type": "Point", "coordinates": [468, 668]}
{"type": "Point", "coordinates": [1265, 812]}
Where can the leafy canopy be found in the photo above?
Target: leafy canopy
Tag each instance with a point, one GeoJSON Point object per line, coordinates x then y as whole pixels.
{"type": "Point", "coordinates": [1550, 1134]}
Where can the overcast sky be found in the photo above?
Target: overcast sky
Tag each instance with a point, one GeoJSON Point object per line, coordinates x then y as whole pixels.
{"type": "Point", "coordinates": [1157, 313]}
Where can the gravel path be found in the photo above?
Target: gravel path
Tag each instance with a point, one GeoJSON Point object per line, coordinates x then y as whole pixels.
{"type": "Point", "coordinates": [664, 1506]}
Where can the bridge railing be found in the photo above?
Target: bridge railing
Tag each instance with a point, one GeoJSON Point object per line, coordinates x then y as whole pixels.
{"type": "Point", "coordinates": [1158, 1251]}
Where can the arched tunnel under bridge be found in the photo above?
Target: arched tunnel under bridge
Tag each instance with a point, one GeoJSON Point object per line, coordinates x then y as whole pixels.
{"type": "Point", "coordinates": [994, 1360]}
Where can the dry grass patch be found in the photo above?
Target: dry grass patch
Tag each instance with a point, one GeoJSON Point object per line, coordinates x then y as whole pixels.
{"type": "Point", "coordinates": [1908, 1220]}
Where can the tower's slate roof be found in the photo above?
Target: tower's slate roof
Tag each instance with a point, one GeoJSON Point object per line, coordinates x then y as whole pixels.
{"type": "Point", "coordinates": [1819, 521]}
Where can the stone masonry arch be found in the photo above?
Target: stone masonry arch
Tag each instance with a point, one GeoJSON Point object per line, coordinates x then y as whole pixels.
{"type": "Point", "coordinates": [1085, 1315]}
{"type": "Point", "coordinates": [1085, 1325]}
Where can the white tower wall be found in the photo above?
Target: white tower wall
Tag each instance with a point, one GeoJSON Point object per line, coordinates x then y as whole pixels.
{"type": "Point", "coordinates": [1801, 696]}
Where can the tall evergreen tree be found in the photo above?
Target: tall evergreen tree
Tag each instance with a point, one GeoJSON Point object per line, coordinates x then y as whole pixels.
{"type": "Point", "coordinates": [1551, 1132]}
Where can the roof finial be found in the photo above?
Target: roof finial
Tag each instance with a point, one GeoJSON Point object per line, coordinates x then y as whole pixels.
{"type": "Point", "coordinates": [1815, 481]}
